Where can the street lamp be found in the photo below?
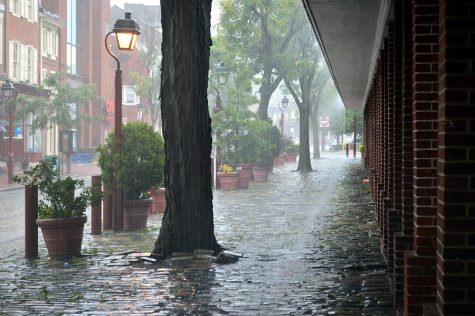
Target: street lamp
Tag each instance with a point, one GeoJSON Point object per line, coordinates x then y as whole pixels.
{"type": "Point", "coordinates": [126, 32]}
{"type": "Point", "coordinates": [221, 73]}
{"type": "Point", "coordinates": [7, 92]}
{"type": "Point", "coordinates": [284, 103]}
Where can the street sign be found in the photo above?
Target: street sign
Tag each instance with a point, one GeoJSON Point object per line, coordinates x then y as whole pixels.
{"type": "Point", "coordinates": [324, 121]}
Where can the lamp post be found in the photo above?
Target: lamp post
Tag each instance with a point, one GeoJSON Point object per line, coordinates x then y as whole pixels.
{"type": "Point", "coordinates": [7, 92]}
{"type": "Point", "coordinates": [284, 103]}
{"type": "Point", "coordinates": [126, 32]}
{"type": "Point", "coordinates": [221, 73]}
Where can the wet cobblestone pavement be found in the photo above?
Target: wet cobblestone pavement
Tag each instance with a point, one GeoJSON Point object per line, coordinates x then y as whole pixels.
{"type": "Point", "coordinates": [310, 247]}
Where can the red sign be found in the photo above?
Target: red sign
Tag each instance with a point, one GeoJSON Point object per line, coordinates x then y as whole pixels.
{"type": "Point", "coordinates": [324, 121]}
{"type": "Point", "coordinates": [110, 109]}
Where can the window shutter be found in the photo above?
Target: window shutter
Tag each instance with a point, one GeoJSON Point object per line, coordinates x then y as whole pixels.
{"type": "Point", "coordinates": [35, 11]}
{"type": "Point", "coordinates": [11, 6]}
{"type": "Point", "coordinates": [56, 44]}
{"type": "Point", "coordinates": [21, 3]}
{"type": "Point", "coordinates": [35, 66]}
{"type": "Point", "coordinates": [24, 63]}
{"type": "Point", "coordinates": [10, 61]}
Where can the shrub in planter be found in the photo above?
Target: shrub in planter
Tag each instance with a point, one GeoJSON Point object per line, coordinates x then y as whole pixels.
{"type": "Point", "coordinates": [291, 150]}
{"type": "Point", "coordinates": [141, 164]}
{"type": "Point", "coordinates": [61, 213]}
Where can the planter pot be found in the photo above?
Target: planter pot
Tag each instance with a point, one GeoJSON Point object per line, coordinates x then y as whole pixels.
{"type": "Point", "coordinates": [228, 181]}
{"type": "Point", "coordinates": [244, 176]}
{"type": "Point", "coordinates": [290, 157]}
{"type": "Point", "coordinates": [136, 214]}
{"type": "Point", "coordinates": [63, 236]}
{"type": "Point", "coordinates": [279, 160]}
{"type": "Point", "coordinates": [260, 173]}
{"type": "Point", "coordinates": [159, 201]}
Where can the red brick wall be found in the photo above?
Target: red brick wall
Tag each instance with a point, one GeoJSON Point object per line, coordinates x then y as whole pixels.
{"type": "Point", "coordinates": [456, 203]}
{"type": "Point", "coordinates": [420, 265]}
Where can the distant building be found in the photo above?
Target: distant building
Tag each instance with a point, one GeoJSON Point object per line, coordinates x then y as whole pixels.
{"type": "Point", "coordinates": [48, 36]}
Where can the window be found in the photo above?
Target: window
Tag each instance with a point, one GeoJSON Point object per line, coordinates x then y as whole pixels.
{"type": "Point", "coordinates": [34, 139]}
{"type": "Point", "coordinates": [23, 62]}
{"type": "Point", "coordinates": [16, 61]}
{"type": "Point", "coordinates": [27, 9]}
{"type": "Point", "coordinates": [129, 95]}
{"type": "Point", "coordinates": [49, 42]}
{"type": "Point", "coordinates": [74, 40]}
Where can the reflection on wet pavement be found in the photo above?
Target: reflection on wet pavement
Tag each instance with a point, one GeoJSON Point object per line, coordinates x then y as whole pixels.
{"type": "Point", "coordinates": [310, 246]}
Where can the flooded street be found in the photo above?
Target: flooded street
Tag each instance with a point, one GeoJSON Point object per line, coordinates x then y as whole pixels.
{"type": "Point", "coordinates": [309, 241]}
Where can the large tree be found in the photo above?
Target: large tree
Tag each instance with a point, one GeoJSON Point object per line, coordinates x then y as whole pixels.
{"type": "Point", "coordinates": [317, 97]}
{"type": "Point", "coordinates": [305, 75]}
{"type": "Point", "coordinates": [258, 32]}
{"type": "Point", "coordinates": [188, 220]}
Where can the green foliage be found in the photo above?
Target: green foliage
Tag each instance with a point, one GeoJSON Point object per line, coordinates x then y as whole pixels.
{"type": "Point", "coordinates": [62, 107]}
{"type": "Point", "coordinates": [359, 117]}
{"type": "Point", "coordinates": [141, 160]}
{"type": "Point", "coordinates": [258, 144]}
{"type": "Point", "coordinates": [58, 195]}
{"type": "Point", "coordinates": [289, 146]}
{"type": "Point", "coordinates": [148, 86]}
{"type": "Point", "coordinates": [256, 35]}
{"type": "Point", "coordinates": [230, 127]}
{"type": "Point", "coordinates": [243, 138]}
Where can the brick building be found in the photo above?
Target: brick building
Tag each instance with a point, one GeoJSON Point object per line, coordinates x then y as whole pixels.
{"type": "Point", "coordinates": [411, 66]}
{"type": "Point", "coordinates": [67, 36]}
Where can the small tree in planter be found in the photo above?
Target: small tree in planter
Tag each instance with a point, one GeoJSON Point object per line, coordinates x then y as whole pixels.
{"type": "Point", "coordinates": [141, 164]}
{"type": "Point", "coordinates": [291, 150]}
{"type": "Point", "coordinates": [231, 128]}
{"type": "Point", "coordinates": [260, 148]}
{"type": "Point", "coordinates": [61, 213]}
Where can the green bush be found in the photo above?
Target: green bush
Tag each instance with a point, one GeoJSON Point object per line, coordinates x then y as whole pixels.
{"type": "Point", "coordinates": [289, 146]}
{"type": "Point", "coordinates": [259, 145]}
{"type": "Point", "coordinates": [141, 160]}
{"type": "Point", "coordinates": [58, 198]}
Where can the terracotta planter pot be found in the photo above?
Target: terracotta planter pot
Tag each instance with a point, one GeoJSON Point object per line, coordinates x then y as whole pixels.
{"type": "Point", "coordinates": [290, 157]}
{"type": "Point", "coordinates": [228, 181]}
{"type": "Point", "coordinates": [63, 236]}
{"type": "Point", "coordinates": [279, 161]}
{"type": "Point", "coordinates": [136, 214]}
{"type": "Point", "coordinates": [260, 173]}
{"type": "Point", "coordinates": [159, 201]}
{"type": "Point", "coordinates": [244, 176]}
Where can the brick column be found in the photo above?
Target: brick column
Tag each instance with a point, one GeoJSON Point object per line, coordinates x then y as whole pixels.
{"type": "Point", "coordinates": [419, 265]}
{"type": "Point", "coordinates": [456, 204]}
{"type": "Point", "coordinates": [395, 220]}
{"type": "Point", "coordinates": [391, 217]}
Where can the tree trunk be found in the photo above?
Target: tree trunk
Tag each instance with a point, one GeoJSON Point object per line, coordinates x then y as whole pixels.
{"type": "Point", "coordinates": [188, 220]}
{"type": "Point", "coordinates": [264, 102]}
{"type": "Point", "coordinates": [315, 134]}
{"type": "Point", "coordinates": [304, 148]}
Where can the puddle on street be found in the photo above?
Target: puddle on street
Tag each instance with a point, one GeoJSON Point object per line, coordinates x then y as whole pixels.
{"type": "Point", "coordinates": [309, 241]}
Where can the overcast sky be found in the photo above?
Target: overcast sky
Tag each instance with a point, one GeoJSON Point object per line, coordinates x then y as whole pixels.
{"type": "Point", "coordinates": [214, 11]}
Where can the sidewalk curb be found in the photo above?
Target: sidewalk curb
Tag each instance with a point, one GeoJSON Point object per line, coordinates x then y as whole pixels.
{"type": "Point", "coordinates": [11, 188]}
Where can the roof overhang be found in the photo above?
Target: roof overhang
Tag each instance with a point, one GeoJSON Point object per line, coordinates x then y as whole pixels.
{"type": "Point", "coordinates": [350, 33]}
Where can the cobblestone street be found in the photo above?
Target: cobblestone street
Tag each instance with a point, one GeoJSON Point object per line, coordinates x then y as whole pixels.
{"type": "Point", "coordinates": [310, 246]}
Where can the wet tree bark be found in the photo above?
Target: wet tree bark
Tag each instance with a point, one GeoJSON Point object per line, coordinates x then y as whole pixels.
{"type": "Point", "coordinates": [304, 149]}
{"type": "Point", "coordinates": [188, 220]}
{"type": "Point", "coordinates": [315, 134]}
